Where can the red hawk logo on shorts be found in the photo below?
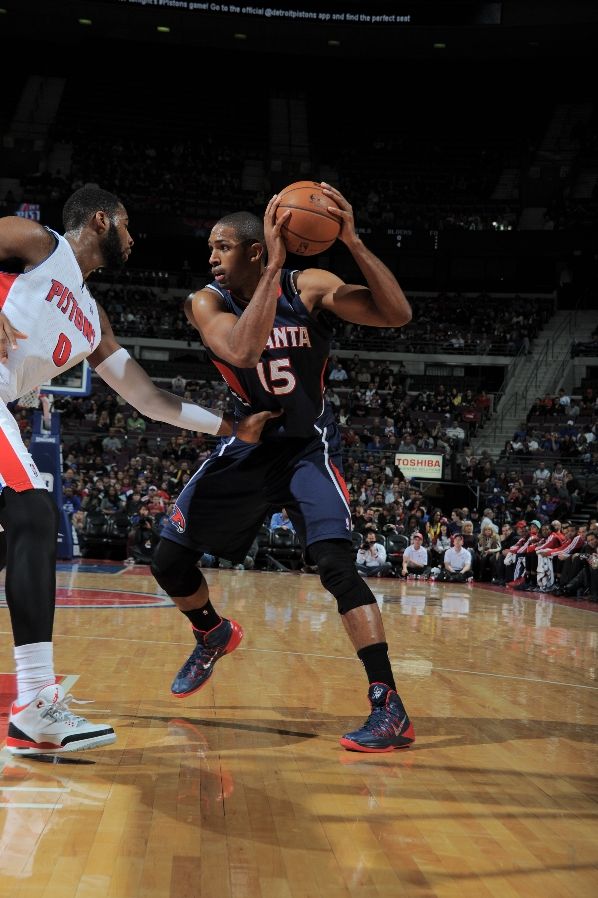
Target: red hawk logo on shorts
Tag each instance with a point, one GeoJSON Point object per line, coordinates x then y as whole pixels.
{"type": "Point", "coordinates": [177, 519]}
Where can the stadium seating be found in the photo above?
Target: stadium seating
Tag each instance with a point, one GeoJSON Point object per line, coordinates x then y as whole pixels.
{"type": "Point", "coordinates": [285, 548]}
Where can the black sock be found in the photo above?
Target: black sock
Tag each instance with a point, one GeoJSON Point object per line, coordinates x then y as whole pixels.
{"type": "Point", "coordinates": [377, 664]}
{"type": "Point", "coordinates": [204, 618]}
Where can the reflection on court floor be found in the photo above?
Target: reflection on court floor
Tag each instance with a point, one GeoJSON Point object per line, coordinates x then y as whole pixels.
{"type": "Point", "coordinates": [242, 790]}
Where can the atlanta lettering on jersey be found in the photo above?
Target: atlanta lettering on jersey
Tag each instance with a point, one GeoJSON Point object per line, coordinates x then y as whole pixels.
{"type": "Point", "coordinates": [288, 335]}
{"type": "Point", "coordinates": [69, 305]}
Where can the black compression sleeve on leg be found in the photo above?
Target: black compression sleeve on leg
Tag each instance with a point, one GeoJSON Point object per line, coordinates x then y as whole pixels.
{"type": "Point", "coordinates": [175, 568]}
{"type": "Point", "coordinates": [30, 521]}
{"type": "Point", "coordinates": [338, 574]}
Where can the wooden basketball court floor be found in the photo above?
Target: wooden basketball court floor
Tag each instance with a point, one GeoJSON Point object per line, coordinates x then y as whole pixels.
{"type": "Point", "coordinates": [242, 790]}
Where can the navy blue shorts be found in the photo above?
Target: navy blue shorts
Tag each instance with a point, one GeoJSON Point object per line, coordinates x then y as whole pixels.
{"type": "Point", "coordinates": [225, 503]}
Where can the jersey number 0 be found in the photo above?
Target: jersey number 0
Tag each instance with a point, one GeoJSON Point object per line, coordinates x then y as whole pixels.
{"type": "Point", "coordinates": [62, 351]}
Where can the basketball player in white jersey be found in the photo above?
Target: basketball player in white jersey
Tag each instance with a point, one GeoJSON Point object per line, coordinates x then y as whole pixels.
{"type": "Point", "coordinates": [49, 322]}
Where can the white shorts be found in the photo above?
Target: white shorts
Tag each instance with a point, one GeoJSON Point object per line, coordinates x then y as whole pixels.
{"type": "Point", "coordinates": [17, 468]}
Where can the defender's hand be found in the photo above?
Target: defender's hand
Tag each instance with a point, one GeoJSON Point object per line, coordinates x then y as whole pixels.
{"type": "Point", "coordinates": [8, 337]}
{"type": "Point", "coordinates": [249, 429]}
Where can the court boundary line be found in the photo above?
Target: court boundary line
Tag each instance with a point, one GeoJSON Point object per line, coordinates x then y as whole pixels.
{"type": "Point", "coordinates": [434, 669]}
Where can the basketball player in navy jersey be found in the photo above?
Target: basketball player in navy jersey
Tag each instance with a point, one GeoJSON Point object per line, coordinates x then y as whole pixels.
{"type": "Point", "coordinates": [267, 330]}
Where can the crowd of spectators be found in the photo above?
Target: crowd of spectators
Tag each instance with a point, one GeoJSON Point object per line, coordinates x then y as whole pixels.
{"type": "Point", "coordinates": [586, 347]}
{"type": "Point", "coordinates": [530, 488]}
{"type": "Point", "coordinates": [118, 465]}
{"type": "Point", "coordinates": [559, 558]}
{"type": "Point", "coordinates": [378, 413]}
{"type": "Point", "coordinates": [115, 466]}
{"type": "Point", "coordinates": [110, 449]}
{"type": "Point", "coordinates": [561, 426]}
{"type": "Point", "coordinates": [133, 310]}
{"type": "Point", "coordinates": [442, 323]}
{"type": "Point", "coordinates": [452, 323]}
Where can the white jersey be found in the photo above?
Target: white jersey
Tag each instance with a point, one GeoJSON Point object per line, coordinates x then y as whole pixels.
{"type": "Point", "coordinates": [51, 304]}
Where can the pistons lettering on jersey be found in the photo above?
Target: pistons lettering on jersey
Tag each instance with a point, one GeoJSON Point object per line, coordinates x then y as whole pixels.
{"type": "Point", "coordinates": [67, 304]}
{"type": "Point", "coordinates": [177, 519]}
{"type": "Point", "coordinates": [287, 336]}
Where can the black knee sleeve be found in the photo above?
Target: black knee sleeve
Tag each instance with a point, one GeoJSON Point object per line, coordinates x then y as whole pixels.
{"type": "Point", "coordinates": [338, 574]}
{"type": "Point", "coordinates": [30, 520]}
{"type": "Point", "coordinates": [175, 568]}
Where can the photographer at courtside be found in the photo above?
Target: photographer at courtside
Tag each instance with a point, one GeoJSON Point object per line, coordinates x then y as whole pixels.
{"type": "Point", "coordinates": [371, 558]}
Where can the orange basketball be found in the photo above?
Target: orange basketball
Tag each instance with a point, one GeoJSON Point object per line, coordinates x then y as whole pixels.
{"type": "Point", "coordinates": [311, 228]}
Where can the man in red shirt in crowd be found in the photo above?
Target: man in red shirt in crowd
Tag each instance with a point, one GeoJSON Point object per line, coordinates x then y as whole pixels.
{"type": "Point", "coordinates": [548, 548]}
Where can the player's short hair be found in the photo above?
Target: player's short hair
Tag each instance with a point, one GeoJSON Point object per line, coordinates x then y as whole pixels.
{"type": "Point", "coordinates": [85, 202]}
{"type": "Point", "coordinates": [246, 226]}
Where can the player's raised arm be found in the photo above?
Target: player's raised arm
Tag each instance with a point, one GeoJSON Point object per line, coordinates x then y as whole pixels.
{"type": "Point", "coordinates": [25, 240]}
{"type": "Point", "coordinates": [120, 371]}
{"type": "Point", "coordinates": [31, 243]}
{"type": "Point", "coordinates": [238, 262]}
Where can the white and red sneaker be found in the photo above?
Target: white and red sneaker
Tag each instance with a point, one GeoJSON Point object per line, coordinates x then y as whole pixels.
{"type": "Point", "coordinates": [47, 725]}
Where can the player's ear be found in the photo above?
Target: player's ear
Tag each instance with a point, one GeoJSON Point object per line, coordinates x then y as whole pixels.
{"type": "Point", "coordinates": [100, 222]}
{"type": "Point", "coordinates": [257, 251]}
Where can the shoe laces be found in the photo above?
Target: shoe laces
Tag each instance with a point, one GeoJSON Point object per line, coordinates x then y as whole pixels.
{"type": "Point", "coordinates": [202, 656]}
{"type": "Point", "coordinates": [383, 721]}
{"type": "Point", "coordinates": [60, 712]}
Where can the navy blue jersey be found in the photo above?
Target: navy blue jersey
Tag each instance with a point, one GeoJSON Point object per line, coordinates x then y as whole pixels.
{"type": "Point", "coordinates": [290, 373]}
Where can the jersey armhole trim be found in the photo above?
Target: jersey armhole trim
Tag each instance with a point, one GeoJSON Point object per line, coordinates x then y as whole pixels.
{"type": "Point", "coordinates": [56, 245]}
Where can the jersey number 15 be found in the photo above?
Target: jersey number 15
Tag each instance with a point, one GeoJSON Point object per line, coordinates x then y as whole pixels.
{"type": "Point", "coordinates": [276, 376]}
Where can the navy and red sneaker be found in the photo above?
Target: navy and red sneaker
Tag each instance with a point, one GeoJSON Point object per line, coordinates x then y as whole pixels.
{"type": "Point", "coordinates": [199, 666]}
{"type": "Point", "coordinates": [387, 728]}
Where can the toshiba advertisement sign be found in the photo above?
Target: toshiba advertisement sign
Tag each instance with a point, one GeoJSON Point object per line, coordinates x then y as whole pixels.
{"type": "Point", "coordinates": [421, 465]}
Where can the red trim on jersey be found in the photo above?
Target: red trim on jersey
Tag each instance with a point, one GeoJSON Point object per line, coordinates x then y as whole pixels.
{"type": "Point", "coordinates": [14, 474]}
{"type": "Point", "coordinates": [6, 282]}
{"type": "Point", "coordinates": [572, 546]}
{"type": "Point", "coordinates": [231, 380]}
{"type": "Point", "coordinates": [322, 376]}
{"type": "Point", "coordinates": [532, 544]}
{"type": "Point", "coordinates": [555, 541]}
{"type": "Point", "coordinates": [341, 481]}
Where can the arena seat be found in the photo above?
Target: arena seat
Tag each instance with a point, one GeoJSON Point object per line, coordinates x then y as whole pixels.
{"type": "Point", "coordinates": [95, 539]}
{"type": "Point", "coordinates": [263, 541]}
{"type": "Point", "coordinates": [396, 544]}
{"type": "Point", "coordinates": [117, 530]}
{"type": "Point", "coordinates": [356, 541]}
{"type": "Point", "coordinates": [285, 547]}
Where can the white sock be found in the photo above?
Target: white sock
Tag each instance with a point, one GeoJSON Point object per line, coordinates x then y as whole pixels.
{"type": "Point", "coordinates": [35, 669]}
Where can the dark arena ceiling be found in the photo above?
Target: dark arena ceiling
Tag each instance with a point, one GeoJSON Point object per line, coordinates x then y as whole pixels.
{"type": "Point", "coordinates": [367, 30]}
